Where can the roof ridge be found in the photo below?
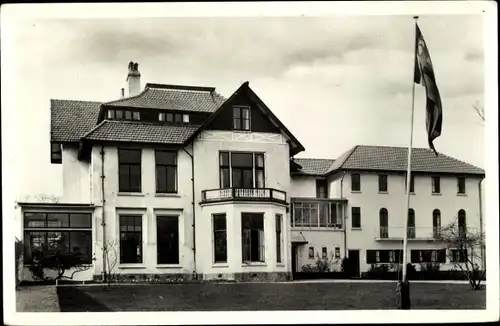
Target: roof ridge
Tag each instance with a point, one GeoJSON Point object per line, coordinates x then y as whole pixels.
{"type": "Point", "coordinates": [102, 123]}
{"type": "Point", "coordinates": [181, 87]}
{"type": "Point", "coordinates": [127, 98]}
{"type": "Point", "coordinates": [82, 101]}
{"type": "Point", "coordinates": [349, 153]}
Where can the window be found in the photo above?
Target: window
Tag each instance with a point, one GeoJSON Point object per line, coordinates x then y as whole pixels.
{"type": "Point", "coordinates": [458, 255]}
{"type": "Point", "coordinates": [161, 116]}
{"type": "Point", "coordinates": [178, 118]}
{"type": "Point", "coordinates": [136, 115]}
{"type": "Point", "coordinates": [436, 185]}
{"type": "Point", "coordinates": [128, 115]}
{"type": "Point", "coordinates": [355, 182]}
{"type": "Point", "coordinates": [252, 227]}
{"type": "Point", "coordinates": [337, 252]}
{"type": "Point", "coordinates": [324, 252]}
{"type": "Point", "coordinates": [311, 252]}
{"type": "Point", "coordinates": [462, 223]}
{"type": "Point", "coordinates": [48, 234]}
{"type": "Point", "coordinates": [185, 118]}
{"type": "Point", "coordinates": [130, 239]}
{"type": "Point", "coordinates": [241, 170]}
{"type": "Point", "coordinates": [411, 223]}
{"type": "Point", "coordinates": [119, 114]}
{"type": "Point", "coordinates": [279, 238]}
{"type": "Point", "coordinates": [124, 115]}
{"type": "Point", "coordinates": [412, 183]}
{"type": "Point", "coordinates": [383, 256]}
{"type": "Point", "coordinates": [428, 256]}
{"type": "Point", "coordinates": [321, 188]}
{"type": "Point", "coordinates": [129, 170]}
{"type": "Point", "coordinates": [382, 183]}
{"type": "Point", "coordinates": [356, 217]}
{"type": "Point", "coordinates": [461, 185]}
{"type": "Point", "coordinates": [241, 118]}
{"type": "Point", "coordinates": [384, 223]}
{"type": "Point", "coordinates": [55, 153]}
{"type": "Point", "coordinates": [166, 171]}
{"type": "Point", "coordinates": [436, 223]}
{"type": "Point", "coordinates": [220, 238]}
{"type": "Point", "coordinates": [167, 240]}
{"type": "Point", "coordinates": [170, 117]}
{"type": "Point", "coordinates": [111, 114]}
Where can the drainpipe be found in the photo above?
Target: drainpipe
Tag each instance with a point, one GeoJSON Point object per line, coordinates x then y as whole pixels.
{"type": "Point", "coordinates": [483, 263]}
{"type": "Point", "coordinates": [343, 214]}
{"type": "Point", "coordinates": [103, 223]}
{"type": "Point", "coordinates": [195, 275]}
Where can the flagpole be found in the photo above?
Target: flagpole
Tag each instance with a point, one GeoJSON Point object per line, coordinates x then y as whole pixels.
{"type": "Point", "coordinates": [404, 284]}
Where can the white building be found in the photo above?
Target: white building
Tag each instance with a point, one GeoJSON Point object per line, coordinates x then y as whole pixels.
{"type": "Point", "coordinates": [180, 182]}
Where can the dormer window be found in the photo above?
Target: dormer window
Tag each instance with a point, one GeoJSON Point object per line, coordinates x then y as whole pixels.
{"type": "Point", "coordinates": [178, 118]}
{"type": "Point", "coordinates": [55, 153]}
{"type": "Point", "coordinates": [173, 117]}
{"type": "Point", "coordinates": [161, 116]}
{"type": "Point", "coordinates": [185, 118]}
{"type": "Point", "coordinates": [170, 117]}
{"type": "Point", "coordinates": [124, 115]}
{"type": "Point", "coordinates": [241, 118]}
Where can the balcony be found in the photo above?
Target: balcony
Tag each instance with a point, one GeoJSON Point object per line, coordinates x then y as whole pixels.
{"type": "Point", "coordinates": [243, 194]}
{"type": "Point", "coordinates": [385, 233]}
{"type": "Point", "coordinates": [313, 213]}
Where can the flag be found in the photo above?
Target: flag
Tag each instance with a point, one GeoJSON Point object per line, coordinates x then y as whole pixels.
{"type": "Point", "coordinates": [424, 75]}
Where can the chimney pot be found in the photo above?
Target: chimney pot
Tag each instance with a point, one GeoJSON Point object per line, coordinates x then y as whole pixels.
{"type": "Point", "coordinates": [123, 92]}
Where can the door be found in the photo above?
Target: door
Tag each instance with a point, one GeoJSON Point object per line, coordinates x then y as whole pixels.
{"type": "Point", "coordinates": [294, 259]}
{"type": "Point", "coordinates": [354, 260]}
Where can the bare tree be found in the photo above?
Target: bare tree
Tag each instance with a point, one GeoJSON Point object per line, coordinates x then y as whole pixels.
{"type": "Point", "coordinates": [479, 110]}
{"type": "Point", "coordinates": [111, 257]}
{"type": "Point", "coordinates": [463, 246]}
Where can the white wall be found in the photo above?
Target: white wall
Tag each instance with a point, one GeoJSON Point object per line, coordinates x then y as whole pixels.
{"type": "Point", "coordinates": [303, 186]}
{"type": "Point", "coordinates": [423, 202]}
{"type": "Point", "coordinates": [318, 239]}
{"type": "Point", "coordinates": [76, 176]}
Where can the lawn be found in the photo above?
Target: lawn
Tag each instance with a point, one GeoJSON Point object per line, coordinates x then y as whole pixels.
{"type": "Point", "coordinates": [264, 296]}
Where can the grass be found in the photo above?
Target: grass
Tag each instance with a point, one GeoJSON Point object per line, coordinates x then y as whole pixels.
{"type": "Point", "coordinates": [264, 296]}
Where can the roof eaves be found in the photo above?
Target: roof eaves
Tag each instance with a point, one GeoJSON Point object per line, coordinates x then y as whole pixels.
{"type": "Point", "coordinates": [94, 129]}
{"type": "Point", "coordinates": [340, 166]}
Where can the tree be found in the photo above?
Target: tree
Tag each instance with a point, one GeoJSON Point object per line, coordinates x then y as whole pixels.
{"type": "Point", "coordinates": [463, 246]}
{"type": "Point", "coordinates": [479, 110]}
{"type": "Point", "coordinates": [111, 260]}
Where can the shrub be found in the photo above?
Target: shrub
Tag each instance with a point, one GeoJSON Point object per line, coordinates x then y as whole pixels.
{"type": "Point", "coordinates": [378, 271]}
{"type": "Point", "coordinates": [347, 267]}
{"type": "Point", "coordinates": [18, 248]}
{"type": "Point", "coordinates": [58, 261]}
{"type": "Point", "coordinates": [429, 271]}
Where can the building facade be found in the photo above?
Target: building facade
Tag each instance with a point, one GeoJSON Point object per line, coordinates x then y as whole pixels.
{"type": "Point", "coordinates": [180, 182]}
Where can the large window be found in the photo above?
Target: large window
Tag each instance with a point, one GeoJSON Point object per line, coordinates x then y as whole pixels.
{"type": "Point", "coordinates": [436, 185]}
{"type": "Point", "coordinates": [384, 256]}
{"type": "Point", "coordinates": [220, 238]}
{"type": "Point", "coordinates": [252, 228]}
{"type": "Point", "coordinates": [462, 223]}
{"type": "Point", "coordinates": [428, 256]}
{"type": "Point", "coordinates": [279, 238]}
{"type": "Point", "coordinates": [384, 223]}
{"type": "Point", "coordinates": [166, 171]}
{"type": "Point", "coordinates": [355, 182]}
{"type": "Point", "coordinates": [119, 114]}
{"type": "Point", "coordinates": [130, 239]}
{"type": "Point", "coordinates": [356, 217]}
{"type": "Point", "coordinates": [167, 239]}
{"type": "Point", "coordinates": [48, 234]}
{"type": "Point", "coordinates": [129, 161]}
{"type": "Point", "coordinates": [241, 118]}
{"type": "Point", "coordinates": [55, 153]}
{"type": "Point", "coordinates": [458, 255]}
{"type": "Point", "coordinates": [382, 183]}
{"type": "Point", "coordinates": [241, 170]}
{"type": "Point", "coordinates": [316, 214]}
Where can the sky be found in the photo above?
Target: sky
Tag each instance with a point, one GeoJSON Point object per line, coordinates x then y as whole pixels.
{"type": "Point", "coordinates": [335, 82]}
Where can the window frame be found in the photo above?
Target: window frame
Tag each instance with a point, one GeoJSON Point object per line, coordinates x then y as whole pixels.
{"type": "Point", "coordinates": [383, 179]}
{"type": "Point", "coordinates": [121, 218]}
{"type": "Point", "coordinates": [384, 223]}
{"type": "Point", "coordinates": [166, 166]}
{"type": "Point", "coordinates": [356, 182]}
{"type": "Point", "coordinates": [56, 153]}
{"type": "Point", "coordinates": [356, 211]}
{"type": "Point", "coordinates": [461, 181]}
{"type": "Point", "coordinates": [324, 252]}
{"type": "Point", "coordinates": [215, 259]}
{"type": "Point", "coordinates": [230, 168]}
{"type": "Point", "coordinates": [436, 184]}
{"type": "Point", "coordinates": [321, 184]}
{"type": "Point", "coordinates": [246, 234]}
{"type": "Point", "coordinates": [129, 188]}
{"type": "Point", "coordinates": [279, 238]}
{"type": "Point", "coordinates": [311, 252]}
{"type": "Point", "coordinates": [46, 229]}
{"type": "Point", "coordinates": [238, 122]}
{"type": "Point", "coordinates": [160, 244]}
{"type": "Point", "coordinates": [462, 219]}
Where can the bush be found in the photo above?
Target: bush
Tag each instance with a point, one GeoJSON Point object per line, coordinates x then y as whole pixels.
{"type": "Point", "coordinates": [429, 271]}
{"type": "Point", "coordinates": [378, 271]}
{"type": "Point", "coordinates": [59, 262]}
{"type": "Point", "coordinates": [18, 248]}
{"type": "Point", "coordinates": [347, 267]}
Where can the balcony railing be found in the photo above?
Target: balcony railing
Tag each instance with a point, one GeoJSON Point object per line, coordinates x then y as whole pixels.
{"type": "Point", "coordinates": [245, 194]}
{"type": "Point", "coordinates": [313, 213]}
{"type": "Point", "coordinates": [389, 233]}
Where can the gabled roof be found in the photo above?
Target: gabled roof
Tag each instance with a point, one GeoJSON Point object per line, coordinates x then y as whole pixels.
{"type": "Point", "coordinates": [173, 97]}
{"type": "Point", "coordinates": [295, 145]}
{"type": "Point", "coordinates": [387, 158]}
{"type": "Point", "coordinates": [313, 166]}
{"type": "Point", "coordinates": [140, 132]}
{"type": "Point", "coordinates": [70, 120]}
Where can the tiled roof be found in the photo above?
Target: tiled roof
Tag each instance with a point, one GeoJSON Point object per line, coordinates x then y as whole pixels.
{"type": "Point", "coordinates": [70, 120]}
{"type": "Point", "coordinates": [313, 166]}
{"type": "Point", "coordinates": [141, 132]}
{"type": "Point", "coordinates": [173, 97]}
{"type": "Point", "coordinates": [387, 158]}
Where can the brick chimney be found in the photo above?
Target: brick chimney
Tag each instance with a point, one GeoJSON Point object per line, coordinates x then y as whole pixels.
{"type": "Point", "coordinates": [134, 79]}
